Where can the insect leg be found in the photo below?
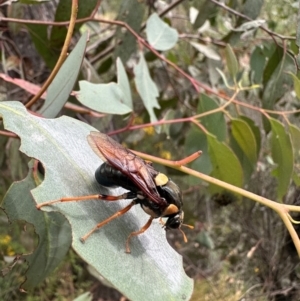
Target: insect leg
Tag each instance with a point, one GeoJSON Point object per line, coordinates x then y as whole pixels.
{"type": "Point", "coordinates": [110, 198]}
{"type": "Point", "coordinates": [142, 230]}
{"type": "Point", "coordinates": [106, 221]}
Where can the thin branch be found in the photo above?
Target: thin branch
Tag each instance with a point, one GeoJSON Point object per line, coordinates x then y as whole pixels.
{"type": "Point", "coordinates": [62, 57]}
{"type": "Point", "coordinates": [268, 31]}
{"type": "Point", "coordinates": [281, 209]}
{"type": "Point", "coordinates": [235, 12]}
{"type": "Point", "coordinates": [8, 134]}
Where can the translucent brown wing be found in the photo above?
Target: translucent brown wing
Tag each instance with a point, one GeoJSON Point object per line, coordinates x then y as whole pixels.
{"type": "Point", "coordinates": [140, 172]}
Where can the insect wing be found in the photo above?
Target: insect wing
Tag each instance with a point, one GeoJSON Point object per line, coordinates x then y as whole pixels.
{"type": "Point", "coordinates": [140, 172]}
{"type": "Point", "coordinates": [93, 144]}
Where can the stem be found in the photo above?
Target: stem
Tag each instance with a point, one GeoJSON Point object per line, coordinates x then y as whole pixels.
{"type": "Point", "coordinates": [62, 57]}
{"type": "Point", "coordinates": [282, 209]}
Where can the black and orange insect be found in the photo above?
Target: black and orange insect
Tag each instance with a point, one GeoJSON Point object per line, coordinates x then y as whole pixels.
{"type": "Point", "coordinates": [153, 191]}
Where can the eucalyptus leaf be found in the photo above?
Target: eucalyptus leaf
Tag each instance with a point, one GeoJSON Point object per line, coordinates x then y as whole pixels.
{"type": "Point", "coordinates": [63, 83]}
{"type": "Point", "coordinates": [282, 154]}
{"type": "Point", "coordinates": [296, 81]}
{"type": "Point", "coordinates": [231, 61]}
{"type": "Point", "coordinates": [207, 51]}
{"type": "Point", "coordinates": [257, 64]}
{"type": "Point", "coordinates": [207, 10]}
{"type": "Point", "coordinates": [214, 123]}
{"type": "Point", "coordinates": [104, 98]}
{"type": "Point", "coordinates": [19, 205]}
{"type": "Point", "coordinates": [123, 83]}
{"type": "Point", "coordinates": [245, 138]}
{"type": "Point", "coordinates": [243, 142]}
{"type": "Point", "coordinates": [131, 12]}
{"type": "Point", "coordinates": [159, 34]}
{"type": "Point", "coordinates": [146, 87]}
{"type": "Point", "coordinates": [295, 138]}
{"type": "Point", "coordinates": [225, 164]}
{"type": "Point", "coordinates": [153, 270]}
{"type": "Point", "coordinates": [196, 140]}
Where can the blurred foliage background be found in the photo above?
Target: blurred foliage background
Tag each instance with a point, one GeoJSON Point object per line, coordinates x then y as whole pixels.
{"type": "Point", "coordinates": [237, 57]}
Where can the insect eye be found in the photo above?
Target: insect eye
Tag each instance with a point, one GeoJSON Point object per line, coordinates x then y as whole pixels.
{"type": "Point", "coordinates": [173, 222]}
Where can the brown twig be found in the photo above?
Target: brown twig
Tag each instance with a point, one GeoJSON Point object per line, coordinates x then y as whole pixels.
{"type": "Point", "coordinates": [268, 31]}
{"type": "Point", "coordinates": [62, 57]}
{"type": "Point", "coordinates": [8, 134]}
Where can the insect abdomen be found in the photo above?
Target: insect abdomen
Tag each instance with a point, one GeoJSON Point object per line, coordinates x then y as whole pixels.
{"type": "Point", "coordinates": [108, 176]}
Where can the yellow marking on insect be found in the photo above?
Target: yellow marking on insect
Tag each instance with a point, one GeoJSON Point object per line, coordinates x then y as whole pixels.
{"type": "Point", "coordinates": [161, 179]}
{"type": "Point", "coordinates": [171, 209]}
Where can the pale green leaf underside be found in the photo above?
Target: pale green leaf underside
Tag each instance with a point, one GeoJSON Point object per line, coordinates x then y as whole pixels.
{"type": "Point", "coordinates": [160, 35]}
{"type": "Point", "coordinates": [104, 98]}
{"type": "Point", "coordinates": [146, 87]}
{"type": "Point", "coordinates": [153, 271]}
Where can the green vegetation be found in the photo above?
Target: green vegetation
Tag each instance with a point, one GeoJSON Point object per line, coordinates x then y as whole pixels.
{"type": "Point", "coordinates": [167, 81]}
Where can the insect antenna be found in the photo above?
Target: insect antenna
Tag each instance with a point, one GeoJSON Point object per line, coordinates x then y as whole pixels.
{"type": "Point", "coordinates": [183, 234]}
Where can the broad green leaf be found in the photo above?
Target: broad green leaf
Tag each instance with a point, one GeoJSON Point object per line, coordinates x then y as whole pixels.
{"type": "Point", "coordinates": [245, 138]}
{"type": "Point", "coordinates": [283, 156]}
{"type": "Point", "coordinates": [296, 177]}
{"type": "Point", "coordinates": [214, 123]}
{"type": "Point", "coordinates": [63, 83]}
{"type": "Point", "coordinates": [19, 205]}
{"type": "Point", "coordinates": [39, 36]}
{"type": "Point", "coordinates": [159, 34]}
{"type": "Point", "coordinates": [243, 143]}
{"type": "Point", "coordinates": [255, 130]}
{"type": "Point", "coordinates": [257, 64]}
{"type": "Point", "coordinates": [123, 83]}
{"type": "Point", "coordinates": [104, 98]}
{"type": "Point", "coordinates": [252, 8]}
{"type": "Point", "coordinates": [146, 87]}
{"type": "Point", "coordinates": [231, 61]}
{"type": "Point", "coordinates": [109, 98]}
{"type": "Point", "coordinates": [206, 9]}
{"type": "Point", "coordinates": [225, 165]}
{"type": "Point", "coordinates": [69, 162]}
{"type": "Point", "coordinates": [298, 31]}
{"type": "Point", "coordinates": [295, 136]}
{"type": "Point", "coordinates": [296, 81]}
{"type": "Point", "coordinates": [274, 59]}
{"type": "Point", "coordinates": [175, 129]}
{"type": "Point", "coordinates": [104, 67]}
{"type": "Point", "coordinates": [205, 239]}
{"type": "Point", "coordinates": [276, 82]}
{"type": "Point", "coordinates": [131, 13]}
{"type": "Point", "coordinates": [195, 141]}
